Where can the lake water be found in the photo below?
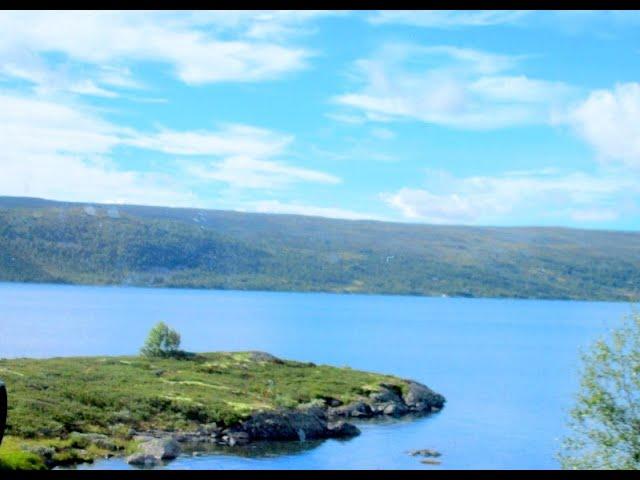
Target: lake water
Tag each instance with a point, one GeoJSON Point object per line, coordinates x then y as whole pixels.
{"type": "Point", "coordinates": [507, 367]}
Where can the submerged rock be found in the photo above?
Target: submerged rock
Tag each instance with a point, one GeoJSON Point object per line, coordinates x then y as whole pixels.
{"type": "Point", "coordinates": [425, 452]}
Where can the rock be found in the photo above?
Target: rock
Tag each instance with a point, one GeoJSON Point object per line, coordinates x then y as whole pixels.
{"type": "Point", "coordinates": [161, 448]}
{"type": "Point", "coordinates": [343, 430]}
{"type": "Point", "coordinates": [357, 409]}
{"type": "Point", "coordinates": [429, 461]}
{"type": "Point", "coordinates": [395, 409]}
{"type": "Point", "coordinates": [209, 429]}
{"type": "Point", "coordinates": [425, 452]}
{"type": "Point", "coordinates": [183, 437]}
{"type": "Point", "coordinates": [387, 394]}
{"type": "Point", "coordinates": [287, 425]}
{"type": "Point", "coordinates": [421, 398]}
{"type": "Point", "coordinates": [236, 438]}
{"type": "Point", "coordinates": [143, 460]}
{"type": "Point", "coordinates": [333, 402]}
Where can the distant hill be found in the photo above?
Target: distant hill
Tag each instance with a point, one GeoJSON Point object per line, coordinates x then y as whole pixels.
{"type": "Point", "coordinates": [47, 241]}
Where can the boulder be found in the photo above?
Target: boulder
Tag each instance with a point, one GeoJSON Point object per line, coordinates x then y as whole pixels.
{"type": "Point", "coordinates": [161, 448]}
{"type": "Point", "coordinates": [395, 409]}
{"type": "Point", "coordinates": [356, 410]}
{"type": "Point", "coordinates": [425, 452]}
{"type": "Point", "coordinates": [287, 425]}
{"type": "Point", "coordinates": [421, 398]}
{"type": "Point", "coordinates": [343, 430]}
{"type": "Point", "coordinates": [387, 394]}
{"type": "Point", "coordinates": [143, 460]}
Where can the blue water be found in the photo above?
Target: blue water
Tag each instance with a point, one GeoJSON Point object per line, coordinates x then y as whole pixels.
{"type": "Point", "coordinates": [507, 367]}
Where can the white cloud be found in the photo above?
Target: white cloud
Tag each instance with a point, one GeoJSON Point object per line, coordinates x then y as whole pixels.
{"type": "Point", "coordinates": [231, 140]}
{"type": "Point", "coordinates": [592, 22]}
{"type": "Point", "coordinates": [201, 47]}
{"type": "Point", "coordinates": [609, 121]}
{"type": "Point", "coordinates": [246, 172]}
{"type": "Point", "coordinates": [535, 196]}
{"type": "Point", "coordinates": [275, 206]}
{"type": "Point", "coordinates": [66, 151]}
{"type": "Point", "coordinates": [456, 87]}
{"type": "Point", "coordinates": [60, 151]}
{"type": "Point", "coordinates": [446, 18]}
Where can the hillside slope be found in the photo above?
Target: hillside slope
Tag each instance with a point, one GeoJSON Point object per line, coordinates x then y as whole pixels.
{"type": "Point", "coordinates": [46, 241]}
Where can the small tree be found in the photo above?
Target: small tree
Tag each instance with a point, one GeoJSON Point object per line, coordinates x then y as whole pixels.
{"type": "Point", "coordinates": [161, 342]}
{"type": "Point", "coordinates": [605, 421]}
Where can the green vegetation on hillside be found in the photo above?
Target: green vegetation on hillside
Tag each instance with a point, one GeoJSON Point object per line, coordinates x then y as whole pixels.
{"type": "Point", "coordinates": [43, 241]}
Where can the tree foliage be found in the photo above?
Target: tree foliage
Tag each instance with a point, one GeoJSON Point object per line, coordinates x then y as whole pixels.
{"type": "Point", "coordinates": [168, 247]}
{"type": "Point", "coordinates": [605, 422]}
{"type": "Point", "coordinates": [162, 342]}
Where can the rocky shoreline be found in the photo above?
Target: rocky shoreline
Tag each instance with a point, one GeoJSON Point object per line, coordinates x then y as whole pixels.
{"type": "Point", "coordinates": [322, 419]}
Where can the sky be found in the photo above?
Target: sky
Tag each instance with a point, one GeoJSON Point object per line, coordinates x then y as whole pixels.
{"type": "Point", "coordinates": [450, 117]}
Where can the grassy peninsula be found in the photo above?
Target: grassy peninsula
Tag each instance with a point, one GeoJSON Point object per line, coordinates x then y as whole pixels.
{"type": "Point", "coordinates": [57, 404]}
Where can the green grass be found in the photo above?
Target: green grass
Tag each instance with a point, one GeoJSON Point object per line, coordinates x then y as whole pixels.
{"type": "Point", "coordinates": [13, 456]}
{"type": "Point", "coordinates": [50, 398]}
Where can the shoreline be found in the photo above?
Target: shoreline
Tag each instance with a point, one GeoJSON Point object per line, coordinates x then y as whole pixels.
{"type": "Point", "coordinates": [67, 411]}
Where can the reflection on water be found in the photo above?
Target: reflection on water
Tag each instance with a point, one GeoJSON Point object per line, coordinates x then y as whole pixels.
{"type": "Point", "coordinates": [255, 449]}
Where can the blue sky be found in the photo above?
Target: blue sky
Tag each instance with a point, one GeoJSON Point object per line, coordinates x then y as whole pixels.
{"type": "Point", "coordinates": [479, 118]}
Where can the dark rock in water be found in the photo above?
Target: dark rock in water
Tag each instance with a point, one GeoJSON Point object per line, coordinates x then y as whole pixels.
{"type": "Point", "coordinates": [425, 452]}
{"type": "Point", "coordinates": [421, 398]}
{"type": "Point", "coordinates": [343, 430]}
{"type": "Point", "coordinates": [286, 425]}
{"type": "Point", "coordinates": [429, 461]}
{"type": "Point", "coordinates": [357, 410]}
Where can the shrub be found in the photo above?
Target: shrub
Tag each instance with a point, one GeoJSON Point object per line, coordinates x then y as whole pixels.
{"type": "Point", "coordinates": [605, 421]}
{"type": "Point", "coordinates": [162, 342]}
